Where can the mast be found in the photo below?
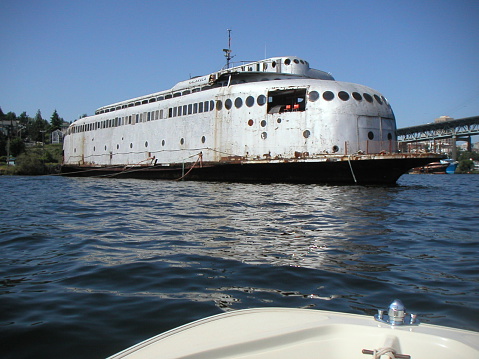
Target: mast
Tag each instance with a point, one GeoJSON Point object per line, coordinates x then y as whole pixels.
{"type": "Point", "coordinates": [228, 50]}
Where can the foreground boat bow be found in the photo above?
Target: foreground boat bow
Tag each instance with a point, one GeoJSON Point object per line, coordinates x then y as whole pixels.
{"type": "Point", "coordinates": [293, 333]}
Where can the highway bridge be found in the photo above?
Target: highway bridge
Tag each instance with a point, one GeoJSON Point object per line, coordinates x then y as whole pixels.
{"type": "Point", "coordinates": [459, 130]}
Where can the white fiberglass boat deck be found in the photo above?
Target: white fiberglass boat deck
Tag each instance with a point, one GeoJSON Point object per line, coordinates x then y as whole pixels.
{"type": "Point", "coordinates": [305, 333]}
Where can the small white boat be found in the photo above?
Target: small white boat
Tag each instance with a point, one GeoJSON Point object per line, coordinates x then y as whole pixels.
{"type": "Point", "coordinates": [306, 333]}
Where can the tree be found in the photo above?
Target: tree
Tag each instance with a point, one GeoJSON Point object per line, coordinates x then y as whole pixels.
{"type": "Point", "coordinates": [56, 122]}
{"type": "Point", "coordinates": [17, 146]}
{"type": "Point", "coordinates": [38, 128]}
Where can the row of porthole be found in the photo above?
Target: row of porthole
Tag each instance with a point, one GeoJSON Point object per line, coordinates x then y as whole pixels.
{"type": "Point", "coordinates": [343, 95]}
{"type": "Point", "coordinates": [163, 143]}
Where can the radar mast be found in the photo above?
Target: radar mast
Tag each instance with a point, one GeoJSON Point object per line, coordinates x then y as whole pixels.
{"type": "Point", "coordinates": [228, 50]}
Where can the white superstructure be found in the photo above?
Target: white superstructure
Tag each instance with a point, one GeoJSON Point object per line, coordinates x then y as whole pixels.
{"type": "Point", "coordinates": [277, 109]}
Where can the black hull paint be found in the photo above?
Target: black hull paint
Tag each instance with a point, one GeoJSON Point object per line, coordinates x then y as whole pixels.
{"type": "Point", "coordinates": [383, 171]}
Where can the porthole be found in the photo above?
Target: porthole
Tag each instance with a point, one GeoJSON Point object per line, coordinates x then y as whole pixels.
{"type": "Point", "coordinates": [146, 143]}
{"type": "Point", "coordinates": [343, 95]}
{"type": "Point", "coordinates": [313, 96]}
{"type": "Point", "coordinates": [390, 136]}
{"type": "Point", "coordinates": [74, 150]}
{"type": "Point", "coordinates": [273, 64]}
{"type": "Point", "coordinates": [306, 133]}
{"type": "Point", "coordinates": [368, 97]}
{"type": "Point", "coordinates": [335, 148]}
{"type": "Point", "coordinates": [94, 148]}
{"type": "Point", "coordinates": [370, 135]}
{"type": "Point", "coordinates": [250, 122]}
{"type": "Point", "coordinates": [384, 100]}
{"type": "Point", "coordinates": [238, 102]}
{"type": "Point", "coordinates": [264, 135]}
{"type": "Point", "coordinates": [261, 100]}
{"type": "Point", "coordinates": [287, 61]}
{"type": "Point", "coordinates": [228, 104]}
{"type": "Point", "coordinates": [278, 120]}
{"type": "Point", "coordinates": [263, 123]}
{"type": "Point", "coordinates": [203, 139]}
{"type": "Point", "coordinates": [378, 99]}
{"type": "Point", "coordinates": [131, 145]}
{"type": "Point", "coordinates": [182, 141]}
{"type": "Point", "coordinates": [163, 143]}
{"type": "Point", "coordinates": [105, 148]}
{"type": "Point", "coordinates": [117, 147]}
{"type": "Point", "coordinates": [328, 95]}
{"type": "Point", "coordinates": [296, 61]}
{"type": "Point", "coordinates": [250, 101]}
{"type": "Point", "coordinates": [219, 105]}
{"type": "Point", "coordinates": [357, 96]}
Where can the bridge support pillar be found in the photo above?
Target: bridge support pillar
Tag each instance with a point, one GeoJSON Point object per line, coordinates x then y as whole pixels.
{"type": "Point", "coordinates": [454, 148]}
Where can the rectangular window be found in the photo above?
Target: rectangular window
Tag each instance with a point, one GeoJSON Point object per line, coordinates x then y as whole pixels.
{"type": "Point", "coordinates": [200, 107]}
{"type": "Point", "coordinates": [129, 120]}
{"type": "Point", "coordinates": [137, 118]}
{"type": "Point", "coordinates": [190, 109]}
{"type": "Point", "coordinates": [161, 113]}
{"type": "Point", "coordinates": [179, 110]}
{"type": "Point", "coordinates": [185, 109]}
{"type": "Point", "coordinates": [289, 100]}
{"type": "Point", "coordinates": [195, 108]}
{"type": "Point", "coordinates": [175, 111]}
{"type": "Point", "coordinates": [207, 103]}
{"type": "Point", "coordinates": [156, 114]}
{"type": "Point", "coordinates": [149, 116]}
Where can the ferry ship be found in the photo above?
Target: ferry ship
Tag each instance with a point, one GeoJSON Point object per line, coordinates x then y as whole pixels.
{"type": "Point", "coordinates": [274, 120]}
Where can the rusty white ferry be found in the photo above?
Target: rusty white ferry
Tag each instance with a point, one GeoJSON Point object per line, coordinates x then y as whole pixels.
{"type": "Point", "coordinates": [274, 120]}
{"type": "Point", "coordinates": [308, 333]}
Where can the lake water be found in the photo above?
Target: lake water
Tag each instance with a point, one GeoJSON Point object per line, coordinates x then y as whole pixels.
{"type": "Point", "coordinates": [89, 267]}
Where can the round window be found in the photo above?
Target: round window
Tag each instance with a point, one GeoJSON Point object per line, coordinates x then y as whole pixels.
{"type": "Point", "coordinates": [228, 104]}
{"type": "Point", "coordinates": [250, 123]}
{"type": "Point", "coordinates": [368, 97]}
{"type": "Point", "coordinates": [261, 100]}
{"type": "Point", "coordinates": [306, 133]}
{"type": "Point", "coordinates": [219, 105]}
{"type": "Point", "coordinates": [263, 123]}
{"type": "Point", "coordinates": [390, 136]}
{"type": "Point", "coordinates": [146, 143]}
{"type": "Point", "coordinates": [264, 135]}
{"type": "Point", "coordinates": [203, 139]}
{"type": "Point", "coordinates": [278, 120]}
{"type": "Point", "coordinates": [370, 135]}
{"type": "Point", "coordinates": [328, 95]}
{"type": "Point", "coordinates": [163, 142]}
{"type": "Point", "coordinates": [335, 148]}
{"type": "Point", "coordinates": [131, 145]}
{"type": "Point", "coordinates": [287, 61]}
{"type": "Point", "coordinates": [357, 96]}
{"type": "Point", "coordinates": [250, 101]}
{"type": "Point", "coordinates": [343, 95]}
{"type": "Point", "coordinates": [238, 102]}
{"type": "Point", "coordinates": [313, 96]}
{"type": "Point", "coordinates": [182, 141]}
{"type": "Point", "coordinates": [378, 99]}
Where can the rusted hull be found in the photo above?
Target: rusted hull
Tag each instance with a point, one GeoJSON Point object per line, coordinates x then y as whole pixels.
{"type": "Point", "coordinates": [384, 171]}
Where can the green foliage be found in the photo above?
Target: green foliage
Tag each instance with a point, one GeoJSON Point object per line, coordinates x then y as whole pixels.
{"type": "Point", "coordinates": [466, 164]}
{"type": "Point", "coordinates": [55, 122]}
{"type": "Point", "coordinates": [30, 163]}
{"type": "Point", "coordinates": [17, 146]}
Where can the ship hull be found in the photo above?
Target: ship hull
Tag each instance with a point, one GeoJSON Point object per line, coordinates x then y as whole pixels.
{"type": "Point", "coordinates": [363, 170]}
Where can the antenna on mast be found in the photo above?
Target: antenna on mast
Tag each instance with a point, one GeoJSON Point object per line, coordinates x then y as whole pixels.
{"type": "Point", "coordinates": [228, 50]}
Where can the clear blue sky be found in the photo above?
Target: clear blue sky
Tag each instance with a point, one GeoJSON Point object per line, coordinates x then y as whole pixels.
{"type": "Point", "coordinates": [75, 56]}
